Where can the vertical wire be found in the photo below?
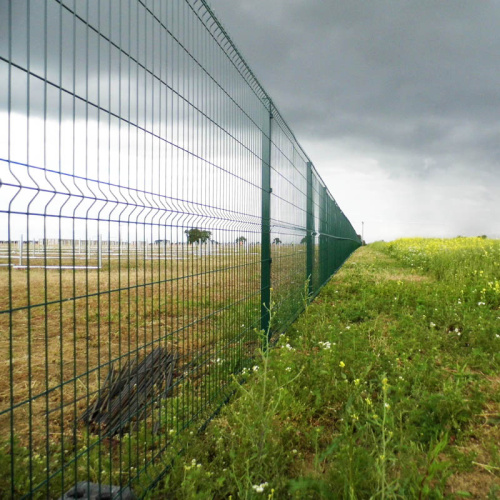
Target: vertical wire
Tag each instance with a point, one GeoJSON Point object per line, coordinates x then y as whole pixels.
{"type": "Point", "coordinates": [190, 197]}
{"type": "Point", "coordinates": [201, 165]}
{"type": "Point", "coordinates": [156, 135]}
{"type": "Point", "coordinates": [227, 200]}
{"type": "Point", "coordinates": [152, 188]}
{"type": "Point", "coordinates": [179, 184]}
{"type": "Point", "coordinates": [129, 215]}
{"type": "Point", "coordinates": [109, 295]}
{"type": "Point", "coordinates": [245, 159]}
{"type": "Point", "coordinates": [10, 263]}
{"type": "Point", "coordinates": [169, 264]}
{"type": "Point", "coordinates": [158, 176]}
{"type": "Point", "coordinates": [232, 204]}
{"type": "Point", "coordinates": [198, 300]}
{"type": "Point", "coordinates": [162, 260]}
{"type": "Point", "coordinates": [214, 194]}
{"type": "Point", "coordinates": [46, 311]}
{"type": "Point", "coordinates": [146, 286]}
{"type": "Point", "coordinates": [199, 128]}
{"type": "Point", "coordinates": [98, 239]}
{"type": "Point", "coordinates": [185, 196]}
{"type": "Point", "coordinates": [174, 184]}
{"type": "Point", "coordinates": [28, 266]}
{"type": "Point", "coordinates": [196, 255]}
{"type": "Point", "coordinates": [149, 181]}
{"type": "Point", "coordinates": [242, 255]}
{"type": "Point", "coordinates": [205, 47]}
{"type": "Point", "coordinates": [73, 161]}
{"type": "Point", "coordinates": [221, 142]}
{"type": "Point", "coordinates": [137, 185]}
{"type": "Point", "coordinates": [205, 172]}
{"type": "Point", "coordinates": [99, 242]}
{"type": "Point", "coordinates": [174, 232]}
{"type": "Point", "coordinates": [60, 219]}
{"type": "Point", "coordinates": [157, 71]}
{"type": "Point", "coordinates": [87, 248]}
{"type": "Point", "coordinates": [121, 459]}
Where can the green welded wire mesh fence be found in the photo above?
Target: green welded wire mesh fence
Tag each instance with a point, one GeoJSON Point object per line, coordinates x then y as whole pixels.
{"type": "Point", "coordinates": [151, 197]}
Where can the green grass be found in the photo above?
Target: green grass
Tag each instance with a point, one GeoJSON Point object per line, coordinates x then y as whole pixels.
{"type": "Point", "coordinates": [388, 386]}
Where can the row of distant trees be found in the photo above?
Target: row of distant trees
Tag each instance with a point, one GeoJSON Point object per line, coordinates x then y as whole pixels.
{"type": "Point", "coordinates": [196, 235]}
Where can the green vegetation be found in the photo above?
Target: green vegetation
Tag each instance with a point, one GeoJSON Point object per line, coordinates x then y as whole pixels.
{"type": "Point", "coordinates": [196, 235]}
{"type": "Point", "coordinates": [386, 387]}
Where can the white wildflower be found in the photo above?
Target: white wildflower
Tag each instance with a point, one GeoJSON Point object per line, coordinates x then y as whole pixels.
{"type": "Point", "coordinates": [259, 488]}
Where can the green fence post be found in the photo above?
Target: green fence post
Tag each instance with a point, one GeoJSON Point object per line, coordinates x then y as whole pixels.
{"type": "Point", "coordinates": [323, 239]}
{"type": "Point", "coordinates": [310, 228]}
{"type": "Point", "coordinates": [328, 240]}
{"type": "Point", "coordinates": [265, 279]}
{"type": "Point", "coordinates": [330, 254]}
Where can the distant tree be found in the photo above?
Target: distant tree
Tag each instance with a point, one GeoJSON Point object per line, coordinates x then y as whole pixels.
{"type": "Point", "coordinates": [303, 241]}
{"type": "Point", "coordinates": [276, 241]}
{"type": "Point", "coordinates": [196, 235]}
{"type": "Point", "coordinates": [241, 240]}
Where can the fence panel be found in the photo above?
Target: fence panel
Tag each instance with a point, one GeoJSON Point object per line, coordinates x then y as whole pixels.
{"type": "Point", "coordinates": [151, 197]}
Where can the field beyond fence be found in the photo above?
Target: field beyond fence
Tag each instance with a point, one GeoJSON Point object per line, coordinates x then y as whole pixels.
{"type": "Point", "coordinates": [152, 200]}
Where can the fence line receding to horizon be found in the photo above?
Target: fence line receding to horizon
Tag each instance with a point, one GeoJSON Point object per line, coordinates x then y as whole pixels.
{"type": "Point", "coordinates": [152, 202]}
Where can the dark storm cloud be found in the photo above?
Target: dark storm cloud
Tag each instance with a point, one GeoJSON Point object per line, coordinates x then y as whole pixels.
{"type": "Point", "coordinates": [418, 78]}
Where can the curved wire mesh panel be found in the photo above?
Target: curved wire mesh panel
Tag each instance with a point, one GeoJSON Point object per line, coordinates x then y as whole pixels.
{"type": "Point", "coordinates": [151, 196]}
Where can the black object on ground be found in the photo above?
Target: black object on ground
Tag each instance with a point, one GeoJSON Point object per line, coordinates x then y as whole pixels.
{"type": "Point", "coordinates": [93, 491]}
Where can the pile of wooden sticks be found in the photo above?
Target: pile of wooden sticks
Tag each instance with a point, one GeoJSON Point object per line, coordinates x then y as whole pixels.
{"type": "Point", "coordinates": [128, 395]}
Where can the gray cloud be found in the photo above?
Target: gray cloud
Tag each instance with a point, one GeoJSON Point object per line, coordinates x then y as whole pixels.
{"type": "Point", "coordinates": [395, 102]}
{"type": "Point", "coordinates": [408, 72]}
{"type": "Point", "coordinates": [412, 85]}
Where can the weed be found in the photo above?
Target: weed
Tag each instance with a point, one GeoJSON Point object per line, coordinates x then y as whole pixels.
{"type": "Point", "coordinates": [372, 393]}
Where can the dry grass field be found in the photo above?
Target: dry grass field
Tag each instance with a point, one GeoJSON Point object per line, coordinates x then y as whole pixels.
{"type": "Point", "coordinates": [64, 322]}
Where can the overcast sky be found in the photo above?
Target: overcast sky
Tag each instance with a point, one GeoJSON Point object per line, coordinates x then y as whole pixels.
{"type": "Point", "coordinates": [397, 103]}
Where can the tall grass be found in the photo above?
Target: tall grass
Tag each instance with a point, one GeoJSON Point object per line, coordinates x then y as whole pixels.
{"type": "Point", "coordinates": [387, 387]}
